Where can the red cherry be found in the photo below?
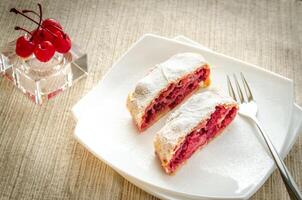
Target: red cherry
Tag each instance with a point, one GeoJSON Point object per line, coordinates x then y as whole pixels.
{"type": "Point", "coordinates": [40, 35]}
{"type": "Point", "coordinates": [44, 51]}
{"type": "Point", "coordinates": [24, 47]}
{"type": "Point", "coordinates": [62, 42]}
{"type": "Point", "coordinates": [52, 25]}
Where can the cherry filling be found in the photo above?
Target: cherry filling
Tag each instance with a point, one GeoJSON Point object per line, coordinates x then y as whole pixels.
{"type": "Point", "coordinates": [202, 134]}
{"type": "Point", "coordinates": [173, 95]}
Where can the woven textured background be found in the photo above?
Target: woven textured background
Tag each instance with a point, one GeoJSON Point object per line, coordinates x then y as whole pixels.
{"type": "Point", "coordinates": [39, 159]}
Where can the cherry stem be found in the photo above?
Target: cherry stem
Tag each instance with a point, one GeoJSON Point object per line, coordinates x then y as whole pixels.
{"type": "Point", "coordinates": [40, 11]}
{"type": "Point", "coordinates": [19, 28]}
{"type": "Point", "coordinates": [14, 10]}
{"type": "Point", "coordinates": [30, 11]}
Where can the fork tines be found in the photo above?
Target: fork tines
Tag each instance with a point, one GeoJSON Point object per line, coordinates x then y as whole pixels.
{"type": "Point", "coordinates": [248, 94]}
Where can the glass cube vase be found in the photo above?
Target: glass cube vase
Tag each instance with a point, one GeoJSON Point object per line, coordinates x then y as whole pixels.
{"type": "Point", "coordinates": [41, 81]}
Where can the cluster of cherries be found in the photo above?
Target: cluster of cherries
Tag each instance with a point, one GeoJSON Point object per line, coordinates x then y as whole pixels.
{"type": "Point", "coordinates": [44, 41]}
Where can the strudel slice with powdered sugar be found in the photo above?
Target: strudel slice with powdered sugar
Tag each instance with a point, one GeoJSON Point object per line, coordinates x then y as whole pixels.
{"type": "Point", "coordinates": [166, 86]}
{"type": "Point", "coordinates": [204, 116]}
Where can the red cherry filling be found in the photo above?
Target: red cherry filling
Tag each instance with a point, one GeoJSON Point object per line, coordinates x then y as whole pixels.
{"type": "Point", "coordinates": [175, 94]}
{"type": "Point", "coordinates": [44, 51]}
{"type": "Point", "coordinates": [24, 47]}
{"type": "Point", "coordinates": [202, 134]}
{"type": "Point", "coordinates": [62, 42]}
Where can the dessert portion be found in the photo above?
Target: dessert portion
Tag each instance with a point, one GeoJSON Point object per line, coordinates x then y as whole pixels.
{"type": "Point", "coordinates": [166, 86]}
{"type": "Point", "coordinates": [43, 41]}
{"type": "Point", "coordinates": [192, 126]}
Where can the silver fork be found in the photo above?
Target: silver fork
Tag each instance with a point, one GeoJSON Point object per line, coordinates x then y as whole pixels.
{"type": "Point", "coordinates": [248, 108]}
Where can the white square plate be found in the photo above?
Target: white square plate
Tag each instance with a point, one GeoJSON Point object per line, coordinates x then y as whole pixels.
{"type": "Point", "coordinates": [231, 166]}
{"type": "Point", "coordinates": [291, 136]}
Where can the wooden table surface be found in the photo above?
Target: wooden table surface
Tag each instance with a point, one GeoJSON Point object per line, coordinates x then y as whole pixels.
{"type": "Point", "coordinates": [39, 159]}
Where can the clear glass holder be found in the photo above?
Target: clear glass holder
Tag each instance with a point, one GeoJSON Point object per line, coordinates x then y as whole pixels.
{"type": "Point", "coordinates": [41, 81]}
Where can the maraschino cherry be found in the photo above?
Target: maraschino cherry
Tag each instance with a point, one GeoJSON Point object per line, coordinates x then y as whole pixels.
{"type": "Point", "coordinates": [62, 42]}
{"type": "Point", "coordinates": [44, 51]}
{"type": "Point", "coordinates": [24, 45]}
{"type": "Point", "coordinates": [40, 35]}
{"type": "Point", "coordinates": [52, 25]}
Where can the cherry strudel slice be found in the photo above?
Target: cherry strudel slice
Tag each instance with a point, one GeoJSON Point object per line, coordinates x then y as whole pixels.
{"type": "Point", "coordinates": [192, 126]}
{"type": "Point", "coordinates": [165, 86]}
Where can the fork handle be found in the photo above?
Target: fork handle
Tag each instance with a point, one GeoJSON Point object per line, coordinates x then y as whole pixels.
{"type": "Point", "coordinates": [288, 180]}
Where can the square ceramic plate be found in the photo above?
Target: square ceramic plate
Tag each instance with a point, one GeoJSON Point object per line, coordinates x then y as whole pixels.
{"type": "Point", "coordinates": [292, 135]}
{"type": "Point", "coordinates": [231, 166]}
